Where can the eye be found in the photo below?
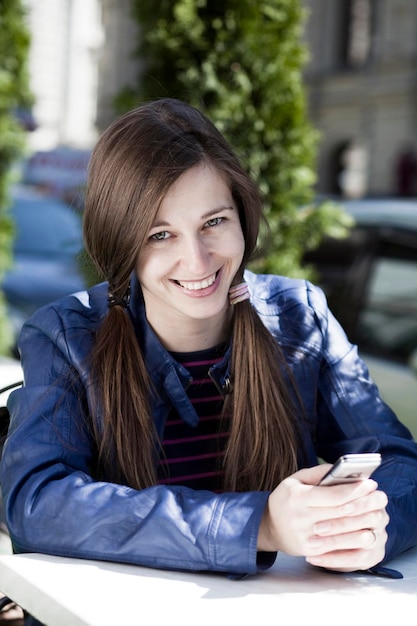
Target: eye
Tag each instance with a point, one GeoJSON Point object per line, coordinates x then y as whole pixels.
{"type": "Point", "coordinates": [214, 221]}
{"type": "Point", "coordinates": [164, 234]}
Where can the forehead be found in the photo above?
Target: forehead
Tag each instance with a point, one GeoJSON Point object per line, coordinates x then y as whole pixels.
{"type": "Point", "coordinates": [202, 186]}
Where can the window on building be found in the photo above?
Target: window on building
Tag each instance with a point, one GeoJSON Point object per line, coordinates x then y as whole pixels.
{"type": "Point", "coordinates": [357, 25]}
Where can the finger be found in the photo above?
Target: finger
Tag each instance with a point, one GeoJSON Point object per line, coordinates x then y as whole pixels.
{"type": "Point", "coordinates": [370, 550]}
{"type": "Point", "coordinates": [321, 496]}
{"type": "Point", "coordinates": [376, 518]}
{"type": "Point", "coordinates": [349, 560]}
{"type": "Point", "coordinates": [312, 475]}
{"type": "Point", "coordinates": [343, 493]}
{"type": "Point", "coordinates": [363, 539]}
{"type": "Point", "coordinates": [327, 503]}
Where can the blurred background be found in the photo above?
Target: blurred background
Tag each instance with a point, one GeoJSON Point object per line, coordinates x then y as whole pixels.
{"type": "Point", "coordinates": [360, 80]}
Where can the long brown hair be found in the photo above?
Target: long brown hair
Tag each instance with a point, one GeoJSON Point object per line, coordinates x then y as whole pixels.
{"type": "Point", "coordinates": [134, 163]}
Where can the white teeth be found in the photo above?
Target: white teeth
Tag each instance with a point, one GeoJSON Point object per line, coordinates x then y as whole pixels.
{"type": "Point", "coordinates": [201, 284]}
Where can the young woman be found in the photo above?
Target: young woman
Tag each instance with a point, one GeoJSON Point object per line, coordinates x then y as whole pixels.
{"type": "Point", "coordinates": [173, 416]}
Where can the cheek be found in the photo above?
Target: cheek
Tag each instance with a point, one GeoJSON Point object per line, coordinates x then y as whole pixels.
{"type": "Point", "coordinates": [143, 269]}
{"type": "Point", "coordinates": [150, 267]}
{"type": "Point", "coordinates": [237, 245]}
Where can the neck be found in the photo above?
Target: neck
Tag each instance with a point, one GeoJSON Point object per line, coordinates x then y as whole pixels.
{"type": "Point", "coordinates": [193, 336]}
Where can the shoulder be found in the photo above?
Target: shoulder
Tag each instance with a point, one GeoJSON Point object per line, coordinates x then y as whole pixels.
{"type": "Point", "coordinates": [71, 315]}
{"type": "Point", "coordinates": [293, 310]}
{"type": "Point", "coordinates": [272, 294]}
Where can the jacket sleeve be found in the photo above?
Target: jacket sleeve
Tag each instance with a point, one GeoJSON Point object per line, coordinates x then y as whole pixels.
{"type": "Point", "coordinates": [54, 506]}
{"type": "Point", "coordinates": [352, 417]}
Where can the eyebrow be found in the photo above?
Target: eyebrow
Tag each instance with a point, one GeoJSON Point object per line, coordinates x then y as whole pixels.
{"type": "Point", "coordinates": [206, 216]}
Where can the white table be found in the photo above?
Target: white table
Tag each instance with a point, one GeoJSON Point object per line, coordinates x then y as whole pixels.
{"type": "Point", "coordinates": [71, 592]}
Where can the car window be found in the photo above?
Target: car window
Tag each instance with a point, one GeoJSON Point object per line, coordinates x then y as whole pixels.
{"type": "Point", "coordinates": [388, 320]}
{"type": "Point", "coordinates": [46, 228]}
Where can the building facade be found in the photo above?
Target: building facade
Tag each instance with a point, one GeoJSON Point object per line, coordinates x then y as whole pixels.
{"type": "Point", "coordinates": [362, 93]}
{"type": "Point", "coordinates": [66, 40]}
{"type": "Point", "coordinates": [361, 83]}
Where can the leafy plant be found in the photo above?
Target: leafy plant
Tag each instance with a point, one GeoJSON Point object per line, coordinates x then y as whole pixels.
{"type": "Point", "coordinates": [14, 93]}
{"type": "Point", "coordinates": [241, 61]}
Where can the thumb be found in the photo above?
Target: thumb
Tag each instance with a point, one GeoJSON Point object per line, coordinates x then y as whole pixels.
{"type": "Point", "coordinates": [312, 475]}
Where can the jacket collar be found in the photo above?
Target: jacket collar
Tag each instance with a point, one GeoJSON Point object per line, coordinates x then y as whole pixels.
{"type": "Point", "coordinates": [170, 378]}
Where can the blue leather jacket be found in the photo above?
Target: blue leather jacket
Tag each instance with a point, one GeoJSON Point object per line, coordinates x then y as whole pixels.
{"type": "Point", "coordinates": [54, 504]}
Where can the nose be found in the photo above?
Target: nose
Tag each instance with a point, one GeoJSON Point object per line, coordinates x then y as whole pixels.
{"type": "Point", "coordinates": [195, 256]}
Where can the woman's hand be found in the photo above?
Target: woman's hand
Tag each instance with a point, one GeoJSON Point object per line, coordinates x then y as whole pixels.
{"type": "Point", "coordinates": [340, 527]}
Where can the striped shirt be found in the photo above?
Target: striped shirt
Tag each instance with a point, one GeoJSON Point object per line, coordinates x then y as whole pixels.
{"type": "Point", "coordinates": [192, 455]}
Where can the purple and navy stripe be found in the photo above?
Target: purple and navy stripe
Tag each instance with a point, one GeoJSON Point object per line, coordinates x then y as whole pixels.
{"type": "Point", "coordinates": [192, 456]}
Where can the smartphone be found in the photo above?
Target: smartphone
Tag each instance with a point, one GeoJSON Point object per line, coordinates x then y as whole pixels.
{"type": "Point", "coordinates": [351, 468]}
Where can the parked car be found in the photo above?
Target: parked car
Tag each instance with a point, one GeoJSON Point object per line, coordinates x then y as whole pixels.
{"type": "Point", "coordinates": [370, 279]}
{"type": "Point", "coordinates": [47, 247]}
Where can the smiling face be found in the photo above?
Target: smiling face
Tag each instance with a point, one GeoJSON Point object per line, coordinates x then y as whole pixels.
{"type": "Point", "coordinates": [192, 253]}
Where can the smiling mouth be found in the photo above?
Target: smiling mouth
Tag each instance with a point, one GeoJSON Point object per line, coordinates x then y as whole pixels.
{"type": "Point", "coordinates": [197, 285]}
